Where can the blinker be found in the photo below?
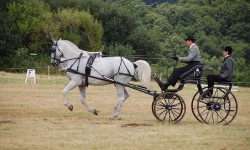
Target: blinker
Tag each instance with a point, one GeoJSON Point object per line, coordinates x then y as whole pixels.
{"type": "Point", "coordinates": [52, 49]}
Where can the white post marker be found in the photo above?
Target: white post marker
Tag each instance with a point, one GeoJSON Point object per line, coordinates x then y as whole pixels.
{"type": "Point", "coordinates": [31, 73]}
{"type": "Point", "coordinates": [48, 72]}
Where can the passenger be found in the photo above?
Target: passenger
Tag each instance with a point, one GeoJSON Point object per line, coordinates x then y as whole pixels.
{"type": "Point", "coordinates": [192, 59]}
{"type": "Point", "coordinates": [226, 73]}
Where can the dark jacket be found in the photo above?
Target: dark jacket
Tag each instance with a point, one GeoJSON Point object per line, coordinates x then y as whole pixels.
{"type": "Point", "coordinates": [227, 69]}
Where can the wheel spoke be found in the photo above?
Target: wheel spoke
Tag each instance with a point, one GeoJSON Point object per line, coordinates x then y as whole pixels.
{"type": "Point", "coordinates": [175, 113]}
{"type": "Point", "coordinates": [210, 116]}
{"type": "Point", "coordinates": [159, 114]}
{"type": "Point", "coordinates": [176, 104]}
{"type": "Point", "coordinates": [157, 109]}
{"type": "Point", "coordinates": [220, 115]}
{"type": "Point", "coordinates": [166, 101]}
{"type": "Point", "coordinates": [171, 103]}
{"type": "Point", "coordinates": [202, 106]}
{"type": "Point", "coordinates": [231, 115]}
{"type": "Point", "coordinates": [203, 113]}
{"type": "Point", "coordinates": [159, 103]}
{"type": "Point", "coordinates": [170, 119]}
{"type": "Point", "coordinates": [216, 93]}
{"type": "Point", "coordinates": [207, 115]}
{"type": "Point", "coordinates": [204, 100]}
{"type": "Point", "coordinates": [217, 118]}
{"type": "Point", "coordinates": [224, 110]}
{"type": "Point", "coordinates": [164, 118]}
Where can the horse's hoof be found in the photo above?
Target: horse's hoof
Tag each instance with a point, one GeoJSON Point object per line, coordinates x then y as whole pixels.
{"type": "Point", "coordinates": [96, 112]}
{"type": "Point", "coordinates": [70, 107]}
{"type": "Point", "coordinates": [115, 118]}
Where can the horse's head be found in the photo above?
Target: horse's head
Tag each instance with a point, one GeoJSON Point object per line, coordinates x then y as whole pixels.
{"type": "Point", "coordinates": [67, 50]}
{"type": "Point", "coordinates": [56, 54]}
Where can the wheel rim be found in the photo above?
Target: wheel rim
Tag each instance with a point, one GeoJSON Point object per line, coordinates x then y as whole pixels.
{"type": "Point", "coordinates": [169, 107]}
{"type": "Point", "coordinates": [194, 105]}
{"type": "Point", "coordinates": [221, 107]}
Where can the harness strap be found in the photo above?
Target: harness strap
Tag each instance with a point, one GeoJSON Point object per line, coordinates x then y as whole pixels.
{"type": "Point", "coordinates": [118, 72]}
{"type": "Point", "coordinates": [78, 58]}
{"type": "Point", "coordinates": [126, 74]}
{"type": "Point", "coordinates": [103, 79]}
{"type": "Point", "coordinates": [125, 66]}
{"type": "Point", "coordinates": [88, 68]}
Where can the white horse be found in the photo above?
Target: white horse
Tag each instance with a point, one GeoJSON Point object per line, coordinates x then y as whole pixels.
{"type": "Point", "coordinates": [104, 70]}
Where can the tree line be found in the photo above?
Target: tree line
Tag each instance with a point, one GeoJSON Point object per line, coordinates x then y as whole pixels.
{"type": "Point", "coordinates": [127, 28]}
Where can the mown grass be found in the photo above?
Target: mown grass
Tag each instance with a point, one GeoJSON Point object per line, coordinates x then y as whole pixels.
{"type": "Point", "coordinates": [34, 117]}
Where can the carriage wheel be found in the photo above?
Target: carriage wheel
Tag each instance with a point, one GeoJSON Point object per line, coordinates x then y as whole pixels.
{"type": "Point", "coordinates": [169, 107]}
{"type": "Point", "coordinates": [221, 107]}
{"type": "Point", "coordinates": [194, 105]}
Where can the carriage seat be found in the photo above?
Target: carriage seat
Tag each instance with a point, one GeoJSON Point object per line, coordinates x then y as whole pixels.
{"type": "Point", "coordinates": [191, 76]}
{"type": "Point", "coordinates": [193, 73]}
{"type": "Point", "coordinates": [226, 83]}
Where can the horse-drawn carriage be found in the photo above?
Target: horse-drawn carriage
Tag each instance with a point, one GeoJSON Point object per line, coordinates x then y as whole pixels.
{"type": "Point", "coordinates": [167, 106]}
{"type": "Point", "coordinates": [220, 107]}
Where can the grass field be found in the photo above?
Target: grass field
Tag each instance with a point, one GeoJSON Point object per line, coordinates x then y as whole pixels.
{"type": "Point", "coordinates": [34, 117]}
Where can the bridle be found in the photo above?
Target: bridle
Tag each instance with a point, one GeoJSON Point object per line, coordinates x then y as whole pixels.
{"type": "Point", "coordinates": [56, 61]}
{"type": "Point", "coordinates": [53, 50]}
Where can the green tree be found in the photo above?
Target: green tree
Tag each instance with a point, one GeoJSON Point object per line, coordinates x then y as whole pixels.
{"type": "Point", "coordinates": [144, 41]}
{"type": "Point", "coordinates": [31, 21]}
{"type": "Point", "coordinates": [117, 49]}
{"type": "Point", "coordinates": [81, 28]}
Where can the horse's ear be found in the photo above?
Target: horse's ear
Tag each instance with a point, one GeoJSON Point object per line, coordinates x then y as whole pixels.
{"type": "Point", "coordinates": [54, 41]}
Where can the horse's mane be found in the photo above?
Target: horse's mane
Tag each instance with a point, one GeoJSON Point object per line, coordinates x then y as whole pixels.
{"type": "Point", "coordinates": [71, 44]}
{"type": "Point", "coordinates": [74, 47]}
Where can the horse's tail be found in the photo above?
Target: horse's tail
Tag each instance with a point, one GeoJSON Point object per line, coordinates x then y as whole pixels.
{"type": "Point", "coordinates": [143, 73]}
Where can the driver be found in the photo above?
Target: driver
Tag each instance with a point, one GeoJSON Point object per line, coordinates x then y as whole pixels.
{"type": "Point", "coordinates": [192, 59]}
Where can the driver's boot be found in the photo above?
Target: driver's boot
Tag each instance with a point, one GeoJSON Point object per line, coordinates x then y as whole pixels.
{"type": "Point", "coordinates": [163, 85]}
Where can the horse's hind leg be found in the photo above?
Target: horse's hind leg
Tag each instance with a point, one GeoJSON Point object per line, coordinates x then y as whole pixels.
{"type": "Point", "coordinates": [72, 84]}
{"type": "Point", "coordinates": [82, 90]}
{"type": "Point", "coordinates": [122, 96]}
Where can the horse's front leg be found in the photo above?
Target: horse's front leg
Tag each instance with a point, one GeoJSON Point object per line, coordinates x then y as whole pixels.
{"type": "Point", "coordinates": [72, 84]}
{"type": "Point", "coordinates": [82, 90]}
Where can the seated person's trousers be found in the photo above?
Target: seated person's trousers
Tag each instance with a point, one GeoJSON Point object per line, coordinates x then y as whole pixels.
{"type": "Point", "coordinates": [172, 80]}
{"type": "Point", "coordinates": [214, 78]}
